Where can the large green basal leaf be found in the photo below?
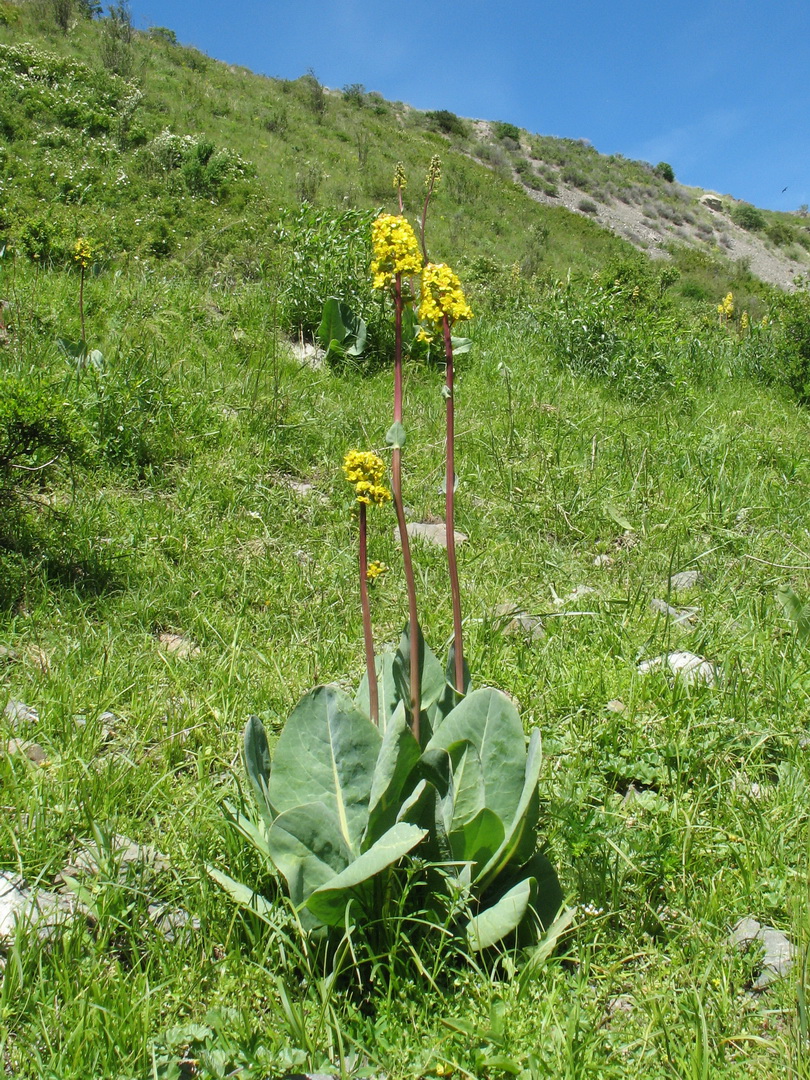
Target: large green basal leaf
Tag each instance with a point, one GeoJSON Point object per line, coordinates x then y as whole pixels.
{"type": "Point", "coordinates": [328, 903]}
{"type": "Point", "coordinates": [388, 696]}
{"type": "Point", "coordinates": [432, 682]}
{"type": "Point", "coordinates": [477, 840]}
{"type": "Point", "coordinates": [502, 918]}
{"type": "Point", "coordinates": [488, 720]}
{"type": "Point", "coordinates": [306, 846]}
{"type": "Point", "coordinates": [467, 797]}
{"type": "Point", "coordinates": [393, 777]}
{"type": "Point", "coordinates": [258, 765]}
{"type": "Point", "coordinates": [246, 897]}
{"type": "Point", "coordinates": [525, 815]}
{"type": "Point", "coordinates": [327, 753]}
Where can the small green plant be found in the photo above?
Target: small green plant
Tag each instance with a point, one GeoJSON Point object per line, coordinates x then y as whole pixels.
{"type": "Point", "coordinates": [665, 171]}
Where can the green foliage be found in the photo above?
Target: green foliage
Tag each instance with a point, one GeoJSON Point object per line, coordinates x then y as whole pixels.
{"type": "Point", "coordinates": [324, 253]}
{"type": "Point", "coordinates": [665, 171]}
{"type": "Point", "coordinates": [354, 93]}
{"type": "Point", "coordinates": [502, 130]}
{"type": "Point", "coordinates": [162, 33]}
{"type": "Point", "coordinates": [341, 332]}
{"type": "Point", "coordinates": [37, 432]}
{"type": "Point", "coordinates": [748, 217]}
{"type": "Point", "coordinates": [788, 362]}
{"type": "Point", "coordinates": [447, 122]}
{"type": "Point", "coordinates": [587, 206]}
{"type": "Point", "coordinates": [343, 802]}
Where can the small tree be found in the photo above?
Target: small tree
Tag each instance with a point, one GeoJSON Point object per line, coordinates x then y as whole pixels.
{"type": "Point", "coordinates": [665, 171]}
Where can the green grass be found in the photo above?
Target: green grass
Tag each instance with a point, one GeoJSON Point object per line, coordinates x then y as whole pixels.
{"type": "Point", "coordinates": [597, 416]}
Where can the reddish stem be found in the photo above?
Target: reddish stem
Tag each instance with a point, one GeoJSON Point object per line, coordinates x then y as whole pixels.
{"type": "Point", "coordinates": [449, 507]}
{"type": "Point", "coordinates": [424, 217]}
{"type": "Point", "coordinates": [81, 302]}
{"type": "Point", "coordinates": [396, 486]}
{"type": "Point", "coordinates": [373, 702]}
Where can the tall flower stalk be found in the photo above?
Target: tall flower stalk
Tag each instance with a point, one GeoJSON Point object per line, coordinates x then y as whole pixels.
{"type": "Point", "coordinates": [365, 472]}
{"type": "Point", "coordinates": [442, 303]}
{"type": "Point", "coordinates": [83, 256]}
{"type": "Point", "coordinates": [396, 255]}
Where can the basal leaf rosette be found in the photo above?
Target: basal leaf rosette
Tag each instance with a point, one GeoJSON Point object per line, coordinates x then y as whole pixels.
{"type": "Point", "coordinates": [395, 248]}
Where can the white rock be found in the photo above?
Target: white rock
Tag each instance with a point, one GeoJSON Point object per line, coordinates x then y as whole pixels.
{"type": "Point", "coordinates": [778, 951]}
{"type": "Point", "coordinates": [686, 579]}
{"type": "Point", "coordinates": [179, 645]}
{"type": "Point", "coordinates": [43, 910]}
{"type": "Point", "coordinates": [687, 666]}
{"type": "Point", "coordinates": [19, 713]}
{"type": "Point", "coordinates": [431, 532]}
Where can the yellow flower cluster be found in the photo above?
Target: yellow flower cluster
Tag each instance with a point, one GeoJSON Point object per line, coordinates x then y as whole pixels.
{"type": "Point", "coordinates": [375, 569]}
{"type": "Point", "coordinates": [744, 321]}
{"type": "Point", "coordinates": [399, 176]}
{"type": "Point", "coordinates": [365, 470]}
{"type": "Point", "coordinates": [442, 296]}
{"type": "Point", "coordinates": [83, 253]}
{"type": "Point", "coordinates": [396, 250]}
{"type": "Point", "coordinates": [726, 307]}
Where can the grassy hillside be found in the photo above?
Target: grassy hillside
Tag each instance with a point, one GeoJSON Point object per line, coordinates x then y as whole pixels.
{"type": "Point", "coordinates": [177, 552]}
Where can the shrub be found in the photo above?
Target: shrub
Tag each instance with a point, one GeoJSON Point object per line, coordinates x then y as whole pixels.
{"type": "Point", "coordinates": [447, 122]}
{"type": "Point", "coordinates": [587, 206]}
{"type": "Point", "coordinates": [665, 171]}
{"type": "Point", "coordinates": [748, 217]}
{"type": "Point", "coordinates": [354, 93]}
{"type": "Point", "coordinates": [162, 33]}
{"type": "Point", "coordinates": [502, 131]}
{"type": "Point", "coordinates": [36, 430]}
{"type": "Point", "coordinates": [779, 233]}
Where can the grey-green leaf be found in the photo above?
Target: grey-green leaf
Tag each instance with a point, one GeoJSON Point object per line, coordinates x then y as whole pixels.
{"type": "Point", "coordinates": [504, 917]}
{"type": "Point", "coordinates": [258, 764]}
{"type": "Point", "coordinates": [488, 720]}
{"type": "Point", "coordinates": [395, 436]}
{"type": "Point", "coordinates": [328, 903]}
{"type": "Point", "coordinates": [306, 846]}
{"type": "Point", "coordinates": [327, 753]}
{"type": "Point", "coordinates": [398, 755]}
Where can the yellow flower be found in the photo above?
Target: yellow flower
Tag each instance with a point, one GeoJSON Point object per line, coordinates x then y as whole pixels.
{"type": "Point", "coordinates": [83, 253]}
{"type": "Point", "coordinates": [441, 296]}
{"type": "Point", "coordinates": [365, 470]}
{"type": "Point", "coordinates": [744, 321]}
{"type": "Point", "coordinates": [375, 569]}
{"type": "Point", "coordinates": [726, 308]}
{"type": "Point", "coordinates": [434, 173]}
{"type": "Point", "coordinates": [396, 250]}
{"type": "Point", "coordinates": [399, 176]}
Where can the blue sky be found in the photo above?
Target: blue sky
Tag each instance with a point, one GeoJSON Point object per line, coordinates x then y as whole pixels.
{"type": "Point", "coordinates": [720, 90]}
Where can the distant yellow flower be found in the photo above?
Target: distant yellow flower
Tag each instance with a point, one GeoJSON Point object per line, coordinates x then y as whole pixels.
{"type": "Point", "coordinates": [375, 569]}
{"type": "Point", "coordinates": [83, 253]}
{"type": "Point", "coordinates": [434, 173]}
{"type": "Point", "coordinates": [725, 309]}
{"type": "Point", "coordinates": [395, 248]}
{"type": "Point", "coordinates": [399, 176]}
{"type": "Point", "coordinates": [744, 320]}
{"type": "Point", "coordinates": [442, 297]}
{"type": "Point", "coordinates": [365, 470]}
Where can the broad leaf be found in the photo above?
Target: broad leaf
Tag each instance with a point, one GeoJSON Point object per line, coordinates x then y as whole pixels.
{"type": "Point", "coordinates": [332, 327]}
{"type": "Point", "coordinates": [258, 764]}
{"type": "Point", "coordinates": [450, 697]}
{"type": "Point", "coordinates": [468, 796]}
{"type": "Point", "coordinates": [255, 835]}
{"type": "Point", "coordinates": [246, 897]}
{"type": "Point", "coordinates": [398, 755]}
{"type": "Point", "coordinates": [475, 841]}
{"type": "Point", "coordinates": [431, 680]}
{"type": "Point", "coordinates": [461, 345]}
{"type": "Point", "coordinates": [502, 918]}
{"type": "Point", "coordinates": [395, 436]}
{"type": "Point", "coordinates": [328, 903]}
{"type": "Point", "coordinates": [488, 720]}
{"type": "Point", "coordinates": [326, 754]}
{"type": "Point", "coordinates": [387, 691]}
{"type": "Point", "coordinates": [307, 849]}
{"type": "Point", "coordinates": [524, 817]}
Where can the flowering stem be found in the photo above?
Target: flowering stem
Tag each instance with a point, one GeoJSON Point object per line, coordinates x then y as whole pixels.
{"type": "Point", "coordinates": [449, 504]}
{"type": "Point", "coordinates": [81, 302]}
{"type": "Point", "coordinates": [373, 702]}
{"type": "Point", "coordinates": [431, 185]}
{"type": "Point", "coordinates": [396, 487]}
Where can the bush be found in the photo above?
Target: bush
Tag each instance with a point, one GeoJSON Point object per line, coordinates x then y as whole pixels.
{"type": "Point", "coordinates": [588, 206]}
{"type": "Point", "coordinates": [748, 217]}
{"type": "Point", "coordinates": [354, 93]}
{"type": "Point", "coordinates": [779, 233]}
{"type": "Point", "coordinates": [665, 171]}
{"type": "Point", "coordinates": [502, 131]}
{"type": "Point", "coordinates": [447, 122]}
{"type": "Point", "coordinates": [36, 431]}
